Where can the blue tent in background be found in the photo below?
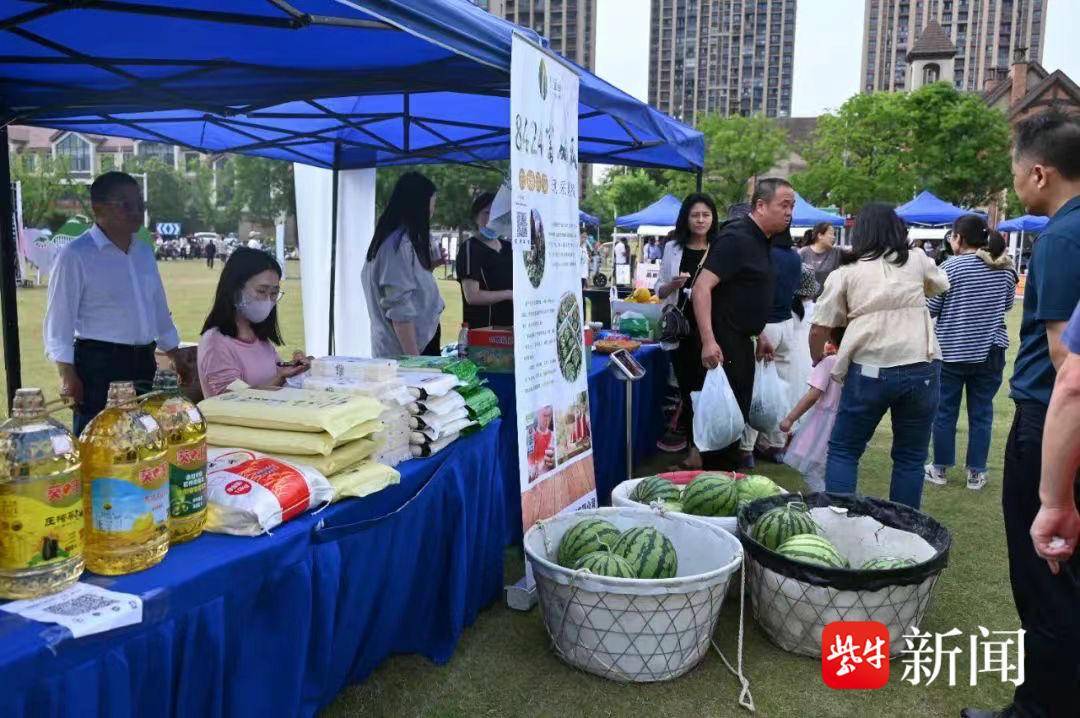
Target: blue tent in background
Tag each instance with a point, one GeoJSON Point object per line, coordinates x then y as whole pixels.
{"type": "Point", "coordinates": [663, 212]}
{"type": "Point", "coordinates": [332, 84]}
{"type": "Point", "coordinates": [807, 215]}
{"type": "Point", "coordinates": [1023, 223]}
{"type": "Point", "coordinates": [587, 219]}
{"type": "Point", "coordinates": [930, 210]}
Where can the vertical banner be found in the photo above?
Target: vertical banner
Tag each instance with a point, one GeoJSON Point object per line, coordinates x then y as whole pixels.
{"type": "Point", "coordinates": [550, 366]}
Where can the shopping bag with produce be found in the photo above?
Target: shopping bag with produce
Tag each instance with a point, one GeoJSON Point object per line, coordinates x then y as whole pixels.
{"type": "Point", "coordinates": [718, 421]}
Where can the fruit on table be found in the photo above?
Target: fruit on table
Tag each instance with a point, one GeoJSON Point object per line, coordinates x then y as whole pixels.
{"type": "Point", "coordinates": [812, 549]}
{"type": "Point", "coordinates": [778, 524]}
{"type": "Point", "coordinates": [605, 563]}
{"type": "Point", "coordinates": [650, 552]}
{"type": "Point", "coordinates": [585, 537]}
{"type": "Point", "coordinates": [711, 495]}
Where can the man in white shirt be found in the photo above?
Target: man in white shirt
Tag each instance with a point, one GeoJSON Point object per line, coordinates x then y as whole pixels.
{"type": "Point", "coordinates": [107, 309]}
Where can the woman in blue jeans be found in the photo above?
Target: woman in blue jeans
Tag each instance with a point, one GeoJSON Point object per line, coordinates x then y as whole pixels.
{"type": "Point", "coordinates": [889, 358]}
{"type": "Point", "coordinates": [973, 338]}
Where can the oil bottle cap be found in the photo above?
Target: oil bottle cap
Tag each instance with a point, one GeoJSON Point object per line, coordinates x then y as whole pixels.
{"type": "Point", "coordinates": [166, 380]}
{"type": "Point", "coordinates": [120, 392]}
{"type": "Point", "coordinates": [28, 403]}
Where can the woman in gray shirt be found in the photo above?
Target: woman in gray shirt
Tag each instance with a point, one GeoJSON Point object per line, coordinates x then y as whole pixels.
{"type": "Point", "coordinates": [402, 296]}
{"type": "Point", "coordinates": [821, 253]}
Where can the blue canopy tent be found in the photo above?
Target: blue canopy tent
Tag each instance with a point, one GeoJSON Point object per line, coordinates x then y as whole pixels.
{"type": "Point", "coordinates": [927, 209]}
{"type": "Point", "coordinates": [1023, 223]}
{"type": "Point", "coordinates": [663, 212]}
{"type": "Point", "coordinates": [587, 219]}
{"type": "Point", "coordinates": [807, 215]}
{"type": "Point", "coordinates": [331, 83]}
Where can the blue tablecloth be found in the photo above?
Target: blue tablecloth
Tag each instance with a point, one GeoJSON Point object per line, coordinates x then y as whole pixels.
{"type": "Point", "coordinates": [607, 412]}
{"type": "Point", "coordinates": [278, 625]}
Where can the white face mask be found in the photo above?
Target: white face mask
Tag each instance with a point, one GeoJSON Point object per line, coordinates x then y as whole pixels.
{"type": "Point", "coordinates": [255, 310]}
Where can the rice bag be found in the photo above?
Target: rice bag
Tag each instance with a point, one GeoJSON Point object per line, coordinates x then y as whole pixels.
{"type": "Point", "coordinates": [250, 493]}
{"type": "Point", "coordinates": [341, 458]}
{"type": "Point", "coordinates": [423, 385]}
{"type": "Point", "coordinates": [422, 450]}
{"type": "Point", "coordinates": [479, 400]}
{"type": "Point", "coordinates": [291, 409]}
{"type": "Point", "coordinates": [278, 441]}
{"type": "Point", "coordinates": [361, 368]}
{"type": "Point", "coordinates": [436, 422]}
{"type": "Point", "coordinates": [424, 436]}
{"type": "Point", "coordinates": [363, 480]}
{"type": "Point", "coordinates": [443, 405]}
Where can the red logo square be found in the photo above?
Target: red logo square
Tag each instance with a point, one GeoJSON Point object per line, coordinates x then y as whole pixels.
{"type": "Point", "coordinates": [855, 655]}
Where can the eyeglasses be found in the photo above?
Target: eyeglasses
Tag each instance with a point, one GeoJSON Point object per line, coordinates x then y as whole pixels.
{"type": "Point", "coordinates": [274, 294]}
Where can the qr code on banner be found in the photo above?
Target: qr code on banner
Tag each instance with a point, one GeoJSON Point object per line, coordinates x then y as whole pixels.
{"type": "Point", "coordinates": [522, 225]}
{"type": "Point", "coordinates": [79, 605]}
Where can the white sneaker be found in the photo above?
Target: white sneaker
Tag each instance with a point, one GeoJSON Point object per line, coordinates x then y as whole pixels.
{"type": "Point", "coordinates": [976, 479]}
{"type": "Point", "coordinates": [934, 474]}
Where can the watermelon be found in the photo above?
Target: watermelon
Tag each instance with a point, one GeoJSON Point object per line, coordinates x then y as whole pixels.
{"type": "Point", "coordinates": [585, 537]}
{"type": "Point", "coordinates": [655, 488]}
{"type": "Point", "coordinates": [711, 495]}
{"type": "Point", "coordinates": [755, 487]}
{"type": "Point", "coordinates": [882, 563]}
{"type": "Point", "coordinates": [814, 549]}
{"type": "Point", "coordinates": [778, 524]}
{"type": "Point", "coordinates": [605, 563]}
{"type": "Point", "coordinates": [650, 553]}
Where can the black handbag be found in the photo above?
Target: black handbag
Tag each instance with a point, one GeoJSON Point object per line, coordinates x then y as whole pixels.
{"type": "Point", "coordinates": [673, 324]}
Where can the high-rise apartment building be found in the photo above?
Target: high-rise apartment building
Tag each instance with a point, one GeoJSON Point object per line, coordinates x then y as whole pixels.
{"type": "Point", "coordinates": [569, 25]}
{"type": "Point", "coordinates": [725, 56]}
{"type": "Point", "coordinates": [985, 33]}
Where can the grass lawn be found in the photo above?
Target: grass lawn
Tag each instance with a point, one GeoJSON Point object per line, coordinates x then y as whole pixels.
{"type": "Point", "coordinates": [504, 666]}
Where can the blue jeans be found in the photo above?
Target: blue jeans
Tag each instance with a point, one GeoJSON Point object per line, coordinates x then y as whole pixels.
{"type": "Point", "coordinates": [910, 393]}
{"type": "Point", "coordinates": [982, 380]}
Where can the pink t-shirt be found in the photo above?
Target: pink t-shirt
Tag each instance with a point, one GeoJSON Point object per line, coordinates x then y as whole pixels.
{"type": "Point", "coordinates": [821, 379]}
{"type": "Point", "coordinates": [223, 360]}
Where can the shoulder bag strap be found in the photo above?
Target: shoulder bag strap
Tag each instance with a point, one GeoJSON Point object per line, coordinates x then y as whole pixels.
{"type": "Point", "coordinates": [681, 303]}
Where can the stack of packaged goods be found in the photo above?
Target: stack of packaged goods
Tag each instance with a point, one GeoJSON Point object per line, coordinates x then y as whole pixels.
{"type": "Point", "coordinates": [314, 437]}
{"type": "Point", "coordinates": [450, 401]}
{"type": "Point", "coordinates": [376, 379]}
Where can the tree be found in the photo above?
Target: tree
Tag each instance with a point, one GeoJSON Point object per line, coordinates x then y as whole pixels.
{"type": "Point", "coordinates": [263, 188]}
{"type": "Point", "coordinates": [889, 146]}
{"type": "Point", "coordinates": [737, 149]}
{"type": "Point", "coordinates": [455, 187]}
{"type": "Point", "coordinates": [622, 191]}
{"type": "Point", "coordinates": [42, 186]}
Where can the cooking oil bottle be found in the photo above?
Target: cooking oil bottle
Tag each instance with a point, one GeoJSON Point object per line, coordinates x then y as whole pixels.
{"type": "Point", "coordinates": [125, 486]}
{"type": "Point", "coordinates": [185, 435]}
{"type": "Point", "coordinates": [41, 512]}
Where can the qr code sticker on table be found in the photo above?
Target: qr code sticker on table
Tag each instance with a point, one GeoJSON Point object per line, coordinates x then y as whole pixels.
{"type": "Point", "coordinates": [522, 224]}
{"type": "Point", "coordinates": [79, 605]}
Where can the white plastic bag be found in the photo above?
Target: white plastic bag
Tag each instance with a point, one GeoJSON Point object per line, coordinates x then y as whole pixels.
{"type": "Point", "coordinates": [769, 405]}
{"type": "Point", "coordinates": [718, 421]}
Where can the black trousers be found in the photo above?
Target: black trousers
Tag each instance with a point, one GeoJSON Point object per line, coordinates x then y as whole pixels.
{"type": "Point", "coordinates": [434, 347]}
{"type": "Point", "coordinates": [738, 352]}
{"type": "Point", "coordinates": [99, 363]}
{"type": "Point", "coordinates": [1048, 605]}
{"type": "Point", "coordinates": [690, 374]}
{"type": "Point", "coordinates": [210, 261]}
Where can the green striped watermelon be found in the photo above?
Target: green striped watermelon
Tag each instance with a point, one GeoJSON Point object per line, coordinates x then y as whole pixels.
{"type": "Point", "coordinates": [814, 549]}
{"type": "Point", "coordinates": [605, 563]}
{"type": "Point", "coordinates": [585, 537]}
{"type": "Point", "coordinates": [655, 488]}
{"type": "Point", "coordinates": [882, 563]}
{"type": "Point", "coordinates": [650, 552]}
{"type": "Point", "coordinates": [711, 495]}
{"type": "Point", "coordinates": [778, 524]}
{"type": "Point", "coordinates": [755, 487]}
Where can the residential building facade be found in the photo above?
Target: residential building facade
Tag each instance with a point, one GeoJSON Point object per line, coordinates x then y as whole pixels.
{"type": "Point", "coordinates": [569, 25]}
{"type": "Point", "coordinates": [985, 33]}
{"type": "Point", "coordinates": [725, 56]}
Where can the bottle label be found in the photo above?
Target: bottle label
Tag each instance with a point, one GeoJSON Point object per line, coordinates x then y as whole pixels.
{"type": "Point", "coordinates": [133, 502]}
{"type": "Point", "coordinates": [40, 521]}
{"type": "Point", "coordinates": [187, 479]}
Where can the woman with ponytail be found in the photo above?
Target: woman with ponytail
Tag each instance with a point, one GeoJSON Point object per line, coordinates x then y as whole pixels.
{"type": "Point", "coordinates": [973, 338]}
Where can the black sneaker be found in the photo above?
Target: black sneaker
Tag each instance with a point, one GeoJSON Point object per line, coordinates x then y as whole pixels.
{"type": "Point", "coordinates": [671, 442]}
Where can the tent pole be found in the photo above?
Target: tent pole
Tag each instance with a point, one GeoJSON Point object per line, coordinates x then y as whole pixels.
{"type": "Point", "coordinates": [333, 244]}
{"type": "Point", "coordinates": [699, 180]}
{"type": "Point", "coordinates": [8, 259]}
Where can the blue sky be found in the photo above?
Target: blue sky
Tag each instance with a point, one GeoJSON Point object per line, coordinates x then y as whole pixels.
{"type": "Point", "coordinates": [828, 43]}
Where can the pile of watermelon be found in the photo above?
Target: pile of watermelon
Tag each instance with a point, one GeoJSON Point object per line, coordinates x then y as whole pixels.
{"type": "Point", "coordinates": [791, 532]}
{"type": "Point", "coordinates": [597, 546]}
{"type": "Point", "coordinates": [709, 494]}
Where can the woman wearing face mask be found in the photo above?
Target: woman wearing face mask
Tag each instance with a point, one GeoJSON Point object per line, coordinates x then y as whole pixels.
{"type": "Point", "coordinates": [402, 295]}
{"type": "Point", "coordinates": [239, 334]}
{"type": "Point", "coordinates": [485, 268]}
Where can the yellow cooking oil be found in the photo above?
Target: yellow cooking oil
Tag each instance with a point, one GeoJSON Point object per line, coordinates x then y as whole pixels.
{"type": "Point", "coordinates": [185, 436]}
{"type": "Point", "coordinates": [41, 511]}
{"type": "Point", "coordinates": [125, 486]}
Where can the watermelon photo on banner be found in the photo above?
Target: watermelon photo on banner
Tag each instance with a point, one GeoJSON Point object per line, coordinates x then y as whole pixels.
{"type": "Point", "coordinates": [551, 377]}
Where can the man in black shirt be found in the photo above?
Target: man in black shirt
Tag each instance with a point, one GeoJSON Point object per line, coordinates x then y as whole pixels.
{"type": "Point", "coordinates": [733, 295]}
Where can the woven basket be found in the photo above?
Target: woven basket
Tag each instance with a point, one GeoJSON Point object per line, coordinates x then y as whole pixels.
{"type": "Point", "coordinates": [634, 630]}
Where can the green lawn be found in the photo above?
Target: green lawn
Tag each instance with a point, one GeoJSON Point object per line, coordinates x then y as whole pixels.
{"type": "Point", "coordinates": [504, 665]}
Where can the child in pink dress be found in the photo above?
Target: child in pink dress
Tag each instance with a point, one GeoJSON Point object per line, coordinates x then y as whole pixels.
{"type": "Point", "coordinates": [809, 447]}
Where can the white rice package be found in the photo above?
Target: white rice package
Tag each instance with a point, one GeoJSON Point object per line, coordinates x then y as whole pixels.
{"type": "Point", "coordinates": [362, 368]}
{"type": "Point", "coordinates": [251, 493]}
{"type": "Point", "coordinates": [443, 405]}
{"type": "Point", "coordinates": [429, 384]}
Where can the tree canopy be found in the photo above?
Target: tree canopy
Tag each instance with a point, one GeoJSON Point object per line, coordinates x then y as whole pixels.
{"type": "Point", "coordinates": [888, 146]}
{"type": "Point", "coordinates": [622, 191]}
